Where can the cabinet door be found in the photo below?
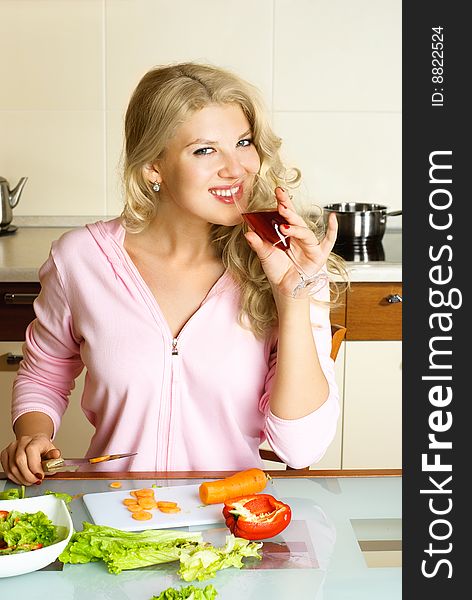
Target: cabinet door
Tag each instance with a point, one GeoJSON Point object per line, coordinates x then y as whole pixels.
{"type": "Point", "coordinates": [374, 311]}
{"type": "Point", "coordinates": [73, 437]}
{"type": "Point", "coordinates": [16, 308]}
{"type": "Point", "coordinates": [372, 406]}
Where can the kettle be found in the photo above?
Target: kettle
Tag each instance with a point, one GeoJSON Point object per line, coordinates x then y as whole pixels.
{"type": "Point", "coordinates": [8, 200]}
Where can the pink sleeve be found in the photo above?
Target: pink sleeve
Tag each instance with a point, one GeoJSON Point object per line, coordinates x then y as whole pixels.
{"type": "Point", "coordinates": [302, 442]}
{"type": "Point", "coordinates": [51, 353]}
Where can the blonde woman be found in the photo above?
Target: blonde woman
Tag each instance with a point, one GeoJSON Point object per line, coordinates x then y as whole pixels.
{"type": "Point", "coordinates": [195, 349]}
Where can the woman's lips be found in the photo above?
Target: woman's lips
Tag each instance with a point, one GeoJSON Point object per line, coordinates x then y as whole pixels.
{"type": "Point", "coordinates": [227, 193]}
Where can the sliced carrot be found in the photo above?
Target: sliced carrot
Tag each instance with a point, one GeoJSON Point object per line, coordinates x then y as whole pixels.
{"type": "Point", "coordinates": [147, 503]}
{"type": "Point", "coordinates": [163, 504]}
{"type": "Point", "coordinates": [99, 459]}
{"type": "Point", "coordinates": [130, 502]}
{"type": "Point", "coordinates": [242, 483]}
{"type": "Point", "coordinates": [142, 515]}
{"type": "Point", "coordinates": [169, 509]}
{"type": "Point", "coordinates": [145, 492]}
{"type": "Point", "coordinates": [115, 484]}
{"type": "Point", "coordinates": [142, 501]}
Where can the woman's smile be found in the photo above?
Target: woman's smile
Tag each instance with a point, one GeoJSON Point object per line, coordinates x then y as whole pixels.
{"type": "Point", "coordinates": [227, 193]}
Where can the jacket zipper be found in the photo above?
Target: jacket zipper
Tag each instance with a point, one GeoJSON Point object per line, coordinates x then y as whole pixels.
{"type": "Point", "coordinates": [154, 307]}
{"type": "Point", "coordinates": [174, 384]}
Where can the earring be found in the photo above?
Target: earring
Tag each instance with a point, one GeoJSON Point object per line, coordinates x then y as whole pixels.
{"type": "Point", "coordinates": [156, 186]}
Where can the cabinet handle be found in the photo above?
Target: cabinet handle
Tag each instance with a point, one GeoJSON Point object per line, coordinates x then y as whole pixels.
{"type": "Point", "coordinates": [394, 298]}
{"type": "Point", "coordinates": [10, 362]}
{"type": "Point", "coordinates": [19, 298]}
{"type": "Point", "coordinates": [13, 359]}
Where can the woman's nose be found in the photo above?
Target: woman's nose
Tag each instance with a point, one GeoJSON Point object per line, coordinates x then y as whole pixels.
{"type": "Point", "coordinates": [231, 168]}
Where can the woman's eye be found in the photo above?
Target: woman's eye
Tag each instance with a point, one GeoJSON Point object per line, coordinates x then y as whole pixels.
{"type": "Point", "coordinates": [203, 151]}
{"type": "Point", "coordinates": [246, 142]}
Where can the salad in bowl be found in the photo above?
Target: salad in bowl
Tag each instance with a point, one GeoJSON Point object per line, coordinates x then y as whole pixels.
{"type": "Point", "coordinates": [33, 532]}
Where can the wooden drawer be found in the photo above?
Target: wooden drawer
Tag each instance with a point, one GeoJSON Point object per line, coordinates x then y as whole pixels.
{"type": "Point", "coordinates": [16, 312]}
{"type": "Point", "coordinates": [370, 315]}
{"type": "Point", "coordinates": [338, 315]}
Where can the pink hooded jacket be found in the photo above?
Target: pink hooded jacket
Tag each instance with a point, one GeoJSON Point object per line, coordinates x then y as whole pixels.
{"type": "Point", "coordinates": [197, 402]}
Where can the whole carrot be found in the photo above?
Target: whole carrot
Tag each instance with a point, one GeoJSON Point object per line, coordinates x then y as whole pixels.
{"type": "Point", "coordinates": [250, 481]}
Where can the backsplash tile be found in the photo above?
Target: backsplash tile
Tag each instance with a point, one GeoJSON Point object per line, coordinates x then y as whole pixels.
{"type": "Point", "coordinates": [337, 55]}
{"type": "Point", "coordinates": [236, 34]}
{"type": "Point", "coordinates": [114, 145]}
{"type": "Point", "coordinates": [330, 72]}
{"type": "Point", "coordinates": [55, 55]}
{"type": "Point", "coordinates": [345, 157]}
{"type": "Point", "coordinates": [62, 154]}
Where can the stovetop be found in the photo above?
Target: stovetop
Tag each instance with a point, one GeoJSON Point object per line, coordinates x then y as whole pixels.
{"type": "Point", "coordinates": [389, 250]}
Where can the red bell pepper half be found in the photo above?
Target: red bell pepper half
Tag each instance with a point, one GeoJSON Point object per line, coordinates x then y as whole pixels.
{"type": "Point", "coordinates": [256, 517]}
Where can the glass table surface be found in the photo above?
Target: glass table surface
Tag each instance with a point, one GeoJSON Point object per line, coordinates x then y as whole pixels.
{"type": "Point", "coordinates": [344, 542]}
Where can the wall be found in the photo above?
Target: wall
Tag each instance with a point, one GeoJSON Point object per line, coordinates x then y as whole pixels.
{"type": "Point", "coordinates": [330, 72]}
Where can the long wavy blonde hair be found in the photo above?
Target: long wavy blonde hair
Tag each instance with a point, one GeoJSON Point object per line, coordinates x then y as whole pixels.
{"type": "Point", "coordinates": [164, 99]}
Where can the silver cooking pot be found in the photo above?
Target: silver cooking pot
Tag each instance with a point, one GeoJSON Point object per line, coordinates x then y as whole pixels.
{"type": "Point", "coordinates": [359, 222]}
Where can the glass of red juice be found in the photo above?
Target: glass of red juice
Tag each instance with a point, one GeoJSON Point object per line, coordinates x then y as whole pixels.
{"type": "Point", "coordinates": [257, 203]}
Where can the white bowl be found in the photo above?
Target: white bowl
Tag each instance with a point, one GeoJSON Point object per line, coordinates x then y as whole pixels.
{"type": "Point", "coordinates": [26, 562]}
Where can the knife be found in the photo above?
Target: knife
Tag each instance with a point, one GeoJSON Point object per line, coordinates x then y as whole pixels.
{"type": "Point", "coordinates": [54, 465]}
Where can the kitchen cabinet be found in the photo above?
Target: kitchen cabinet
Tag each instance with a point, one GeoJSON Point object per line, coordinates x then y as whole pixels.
{"type": "Point", "coordinates": [372, 428]}
{"type": "Point", "coordinates": [371, 311]}
{"type": "Point", "coordinates": [16, 308]}
{"type": "Point", "coordinates": [372, 390]}
{"type": "Point", "coordinates": [16, 312]}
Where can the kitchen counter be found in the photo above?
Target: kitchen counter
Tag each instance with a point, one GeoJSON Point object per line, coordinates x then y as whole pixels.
{"type": "Point", "coordinates": [344, 541]}
{"type": "Point", "coordinates": [22, 254]}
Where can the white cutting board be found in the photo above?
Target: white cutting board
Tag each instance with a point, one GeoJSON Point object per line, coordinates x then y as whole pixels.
{"type": "Point", "coordinates": [107, 508]}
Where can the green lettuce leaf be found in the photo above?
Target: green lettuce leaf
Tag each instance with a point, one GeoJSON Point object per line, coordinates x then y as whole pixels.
{"type": "Point", "coordinates": [122, 550]}
{"type": "Point", "coordinates": [62, 496]}
{"type": "Point", "coordinates": [203, 563]}
{"type": "Point", "coordinates": [188, 593]}
{"type": "Point", "coordinates": [13, 494]}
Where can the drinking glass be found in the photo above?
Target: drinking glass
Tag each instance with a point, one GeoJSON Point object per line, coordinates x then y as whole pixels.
{"type": "Point", "coordinates": [257, 204]}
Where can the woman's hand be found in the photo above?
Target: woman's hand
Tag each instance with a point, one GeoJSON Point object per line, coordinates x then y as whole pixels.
{"type": "Point", "coordinates": [310, 253]}
{"type": "Point", "coordinates": [21, 460]}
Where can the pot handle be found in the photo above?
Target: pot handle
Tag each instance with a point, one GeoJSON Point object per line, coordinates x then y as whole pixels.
{"type": "Point", "coordinates": [394, 213]}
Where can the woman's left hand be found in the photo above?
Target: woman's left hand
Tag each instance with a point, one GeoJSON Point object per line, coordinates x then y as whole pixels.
{"type": "Point", "coordinates": [310, 253]}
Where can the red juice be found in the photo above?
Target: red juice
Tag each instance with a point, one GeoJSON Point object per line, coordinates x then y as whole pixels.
{"type": "Point", "coordinates": [266, 223]}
